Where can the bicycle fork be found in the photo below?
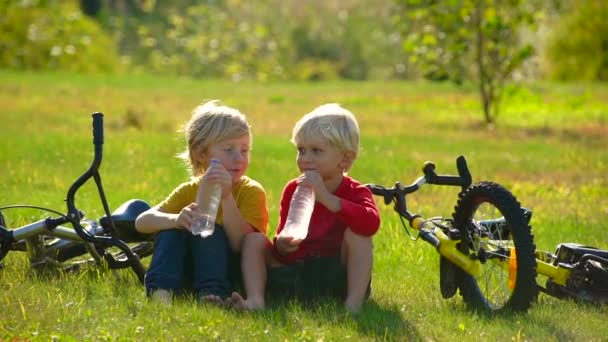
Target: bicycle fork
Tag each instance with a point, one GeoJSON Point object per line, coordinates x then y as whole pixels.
{"type": "Point", "coordinates": [445, 246]}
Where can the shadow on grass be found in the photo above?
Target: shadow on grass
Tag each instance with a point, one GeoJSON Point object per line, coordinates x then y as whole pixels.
{"type": "Point", "coordinates": [547, 317]}
{"type": "Point", "coordinates": [520, 322]}
{"type": "Point", "coordinates": [385, 323]}
{"type": "Point", "coordinates": [373, 321]}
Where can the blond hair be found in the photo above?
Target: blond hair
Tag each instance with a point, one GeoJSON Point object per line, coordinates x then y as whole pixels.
{"type": "Point", "coordinates": [211, 123]}
{"type": "Point", "coordinates": [331, 122]}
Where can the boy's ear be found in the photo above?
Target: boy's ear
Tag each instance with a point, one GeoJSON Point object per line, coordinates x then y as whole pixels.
{"type": "Point", "coordinates": [348, 157]}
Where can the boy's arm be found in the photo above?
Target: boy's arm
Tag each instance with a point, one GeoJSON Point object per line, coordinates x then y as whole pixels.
{"type": "Point", "coordinates": [360, 213]}
{"type": "Point", "coordinates": [355, 207]}
{"type": "Point", "coordinates": [176, 211]}
{"type": "Point", "coordinates": [235, 225]}
{"type": "Point", "coordinates": [154, 220]}
{"type": "Point", "coordinates": [245, 213]}
{"type": "Point", "coordinates": [352, 202]}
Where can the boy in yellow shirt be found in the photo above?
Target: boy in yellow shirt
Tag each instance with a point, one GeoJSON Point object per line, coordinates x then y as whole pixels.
{"type": "Point", "coordinates": [183, 261]}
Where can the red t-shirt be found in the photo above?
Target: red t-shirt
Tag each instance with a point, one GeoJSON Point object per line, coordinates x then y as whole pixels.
{"type": "Point", "coordinates": [326, 230]}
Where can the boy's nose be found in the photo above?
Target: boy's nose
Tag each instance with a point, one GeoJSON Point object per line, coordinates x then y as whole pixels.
{"type": "Point", "coordinates": [238, 156]}
{"type": "Point", "coordinates": [303, 158]}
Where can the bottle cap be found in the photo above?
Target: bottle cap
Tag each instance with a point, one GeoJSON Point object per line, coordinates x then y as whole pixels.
{"type": "Point", "coordinates": [215, 161]}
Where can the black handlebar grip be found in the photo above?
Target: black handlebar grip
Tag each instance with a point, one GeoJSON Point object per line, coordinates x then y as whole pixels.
{"type": "Point", "coordinates": [428, 168]}
{"type": "Point", "coordinates": [463, 171]}
{"type": "Point", "coordinates": [446, 180]}
{"type": "Point", "coordinates": [97, 128]}
{"type": "Point", "coordinates": [376, 190]}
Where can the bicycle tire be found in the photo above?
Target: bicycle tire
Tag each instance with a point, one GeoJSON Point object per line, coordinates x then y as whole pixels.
{"type": "Point", "coordinates": [71, 252]}
{"type": "Point", "coordinates": [494, 290]}
{"type": "Point", "coordinates": [142, 250]}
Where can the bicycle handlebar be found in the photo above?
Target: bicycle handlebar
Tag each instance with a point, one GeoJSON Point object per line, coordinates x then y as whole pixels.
{"type": "Point", "coordinates": [75, 215]}
{"type": "Point", "coordinates": [93, 171]}
{"type": "Point", "coordinates": [463, 179]}
{"type": "Point", "coordinates": [398, 191]}
{"type": "Point", "coordinates": [97, 128]}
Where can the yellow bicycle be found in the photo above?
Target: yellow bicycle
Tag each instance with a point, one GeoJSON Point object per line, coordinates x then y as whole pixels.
{"type": "Point", "coordinates": [487, 250]}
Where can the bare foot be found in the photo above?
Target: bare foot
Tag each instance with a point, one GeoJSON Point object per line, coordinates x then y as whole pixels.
{"type": "Point", "coordinates": [239, 303]}
{"type": "Point", "coordinates": [212, 299]}
{"type": "Point", "coordinates": [352, 308]}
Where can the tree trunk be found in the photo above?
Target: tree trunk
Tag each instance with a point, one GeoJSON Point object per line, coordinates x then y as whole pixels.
{"type": "Point", "coordinates": [484, 87]}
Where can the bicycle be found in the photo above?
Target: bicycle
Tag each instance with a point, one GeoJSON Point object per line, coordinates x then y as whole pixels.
{"type": "Point", "coordinates": [106, 240]}
{"type": "Point", "coordinates": [487, 249]}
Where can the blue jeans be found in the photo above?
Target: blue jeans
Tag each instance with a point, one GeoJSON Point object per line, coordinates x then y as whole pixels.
{"type": "Point", "coordinates": [183, 262]}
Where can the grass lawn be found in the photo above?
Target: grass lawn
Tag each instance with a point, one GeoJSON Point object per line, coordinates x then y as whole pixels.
{"type": "Point", "coordinates": [549, 147]}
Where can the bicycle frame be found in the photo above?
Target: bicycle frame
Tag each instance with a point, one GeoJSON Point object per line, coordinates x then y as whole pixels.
{"type": "Point", "coordinates": [558, 273]}
{"type": "Point", "coordinates": [34, 234]}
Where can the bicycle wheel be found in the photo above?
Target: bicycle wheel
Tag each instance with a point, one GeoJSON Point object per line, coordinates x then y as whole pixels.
{"type": "Point", "coordinates": [507, 281]}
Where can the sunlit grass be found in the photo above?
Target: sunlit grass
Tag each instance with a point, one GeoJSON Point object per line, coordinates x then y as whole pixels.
{"type": "Point", "coordinates": [549, 148]}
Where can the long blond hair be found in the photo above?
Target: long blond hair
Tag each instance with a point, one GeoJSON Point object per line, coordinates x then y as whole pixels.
{"type": "Point", "coordinates": [211, 122]}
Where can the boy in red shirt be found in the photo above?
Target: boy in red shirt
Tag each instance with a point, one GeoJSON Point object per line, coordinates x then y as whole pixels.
{"type": "Point", "coordinates": [343, 222]}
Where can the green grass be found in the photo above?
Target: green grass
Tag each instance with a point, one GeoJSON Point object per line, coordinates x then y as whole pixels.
{"type": "Point", "coordinates": [549, 148]}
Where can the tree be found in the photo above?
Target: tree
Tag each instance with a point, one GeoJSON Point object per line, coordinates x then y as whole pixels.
{"type": "Point", "coordinates": [577, 47]}
{"type": "Point", "coordinates": [478, 40]}
{"type": "Point", "coordinates": [53, 34]}
{"type": "Point", "coordinates": [90, 7]}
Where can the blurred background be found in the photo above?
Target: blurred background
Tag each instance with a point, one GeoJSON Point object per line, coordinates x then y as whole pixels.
{"type": "Point", "coordinates": [310, 40]}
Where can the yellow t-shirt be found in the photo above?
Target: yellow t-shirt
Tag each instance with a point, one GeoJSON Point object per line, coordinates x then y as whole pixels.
{"type": "Point", "coordinates": [249, 195]}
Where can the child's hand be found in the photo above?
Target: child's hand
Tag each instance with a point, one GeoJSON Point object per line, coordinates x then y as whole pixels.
{"type": "Point", "coordinates": [216, 173]}
{"type": "Point", "coordinates": [313, 179]}
{"type": "Point", "coordinates": [287, 244]}
{"type": "Point", "coordinates": [187, 216]}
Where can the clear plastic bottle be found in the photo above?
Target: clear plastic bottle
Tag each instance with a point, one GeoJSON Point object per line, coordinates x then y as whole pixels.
{"type": "Point", "coordinates": [300, 211]}
{"type": "Point", "coordinates": [208, 200]}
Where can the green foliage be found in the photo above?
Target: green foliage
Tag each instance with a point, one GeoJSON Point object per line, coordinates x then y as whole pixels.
{"type": "Point", "coordinates": [269, 40]}
{"type": "Point", "coordinates": [53, 35]}
{"type": "Point", "coordinates": [309, 40]}
{"type": "Point", "coordinates": [472, 40]}
{"type": "Point", "coordinates": [578, 44]}
{"type": "Point", "coordinates": [206, 40]}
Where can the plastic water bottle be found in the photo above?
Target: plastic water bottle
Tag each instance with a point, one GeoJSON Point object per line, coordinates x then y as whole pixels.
{"type": "Point", "coordinates": [208, 200]}
{"type": "Point", "coordinates": [300, 211]}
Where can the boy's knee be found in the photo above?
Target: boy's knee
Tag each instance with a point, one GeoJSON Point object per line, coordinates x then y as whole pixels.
{"type": "Point", "coordinates": [255, 240]}
{"type": "Point", "coordinates": [353, 239]}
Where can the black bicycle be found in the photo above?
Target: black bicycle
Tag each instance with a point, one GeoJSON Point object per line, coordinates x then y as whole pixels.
{"type": "Point", "coordinates": [487, 249]}
{"type": "Point", "coordinates": [111, 240]}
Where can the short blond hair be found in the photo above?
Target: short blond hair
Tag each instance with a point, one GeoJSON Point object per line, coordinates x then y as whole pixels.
{"type": "Point", "coordinates": [331, 122]}
{"type": "Point", "coordinates": [211, 123]}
